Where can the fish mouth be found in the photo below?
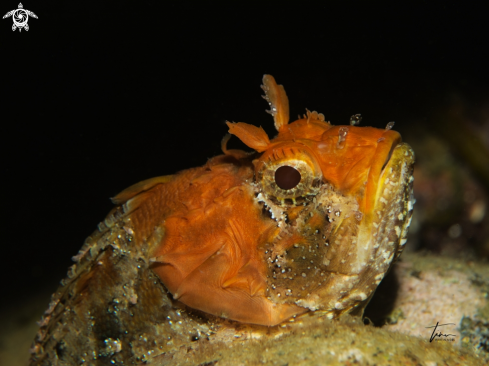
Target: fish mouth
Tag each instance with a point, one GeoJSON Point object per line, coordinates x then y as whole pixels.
{"type": "Point", "coordinates": [389, 156]}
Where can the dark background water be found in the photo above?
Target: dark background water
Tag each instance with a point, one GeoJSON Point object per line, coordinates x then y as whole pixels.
{"type": "Point", "coordinates": [96, 97]}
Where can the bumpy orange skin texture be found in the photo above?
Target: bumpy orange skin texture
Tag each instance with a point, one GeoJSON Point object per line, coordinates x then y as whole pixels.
{"type": "Point", "coordinates": [226, 240]}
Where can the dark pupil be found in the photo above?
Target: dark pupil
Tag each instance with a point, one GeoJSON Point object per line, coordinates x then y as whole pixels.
{"type": "Point", "coordinates": [287, 177]}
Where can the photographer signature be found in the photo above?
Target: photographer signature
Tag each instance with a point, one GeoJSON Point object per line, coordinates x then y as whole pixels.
{"type": "Point", "coordinates": [440, 334]}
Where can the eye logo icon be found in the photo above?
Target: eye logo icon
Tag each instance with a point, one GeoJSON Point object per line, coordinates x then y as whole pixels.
{"type": "Point", "coordinates": [20, 17]}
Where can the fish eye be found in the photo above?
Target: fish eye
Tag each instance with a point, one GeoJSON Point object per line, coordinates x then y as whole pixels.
{"type": "Point", "coordinates": [287, 177]}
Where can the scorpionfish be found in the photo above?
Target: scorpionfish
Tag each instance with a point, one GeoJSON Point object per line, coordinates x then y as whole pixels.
{"type": "Point", "coordinates": [310, 221]}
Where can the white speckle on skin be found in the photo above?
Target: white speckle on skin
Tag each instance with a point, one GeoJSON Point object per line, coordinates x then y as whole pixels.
{"type": "Point", "coordinates": [362, 295]}
{"type": "Point", "coordinates": [133, 299]}
{"type": "Point", "coordinates": [339, 306]}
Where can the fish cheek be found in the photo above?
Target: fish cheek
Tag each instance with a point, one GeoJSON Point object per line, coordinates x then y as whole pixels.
{"type": "Point", "coordinates": [314, 269]}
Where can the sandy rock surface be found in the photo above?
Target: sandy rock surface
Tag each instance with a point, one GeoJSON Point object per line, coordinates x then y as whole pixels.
{"type": "Point", "coordinates": [421, 290]}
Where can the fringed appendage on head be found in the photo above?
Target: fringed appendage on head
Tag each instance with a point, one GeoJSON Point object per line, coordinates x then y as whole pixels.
{"type": "Point", "coordinates": [252, 136]}
{"type": "Point", "coordinates": [256, 137]}
{"type": "Point", "coordinates": [278, 101]}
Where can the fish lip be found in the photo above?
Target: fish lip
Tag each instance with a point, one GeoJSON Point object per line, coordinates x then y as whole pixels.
{"type": "Point", "coordinates": [389, 156]}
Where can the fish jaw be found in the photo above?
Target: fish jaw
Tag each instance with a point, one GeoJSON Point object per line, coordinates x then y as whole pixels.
{"type": "Point", "coordinates": [333, 256]}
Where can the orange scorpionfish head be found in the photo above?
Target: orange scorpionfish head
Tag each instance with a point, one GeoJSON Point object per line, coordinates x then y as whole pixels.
{"type": "Point", "coordinates": [311, 221]}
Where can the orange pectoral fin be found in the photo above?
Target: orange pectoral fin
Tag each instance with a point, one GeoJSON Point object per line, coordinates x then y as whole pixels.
{"type": "Point", "coordinates": [203, 290]}
{"type": "Point", "coordinates": [252, 136]}
{"type": "Point", "coordinates": [249, 279]}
